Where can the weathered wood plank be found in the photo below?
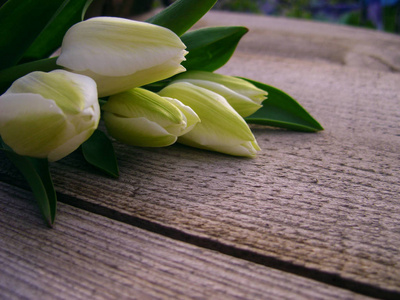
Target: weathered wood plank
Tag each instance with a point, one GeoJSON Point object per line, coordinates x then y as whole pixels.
{"type": "Point", "coordinates": [326, 203]}
{"type": "Point", "coordinates": [274, 37]}
{"type": "Point", "coordinates": [87, 256]}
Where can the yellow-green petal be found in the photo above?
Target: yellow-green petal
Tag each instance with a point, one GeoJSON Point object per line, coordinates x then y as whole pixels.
{"type": "Point", "coordinates": [120, 54]}
{"type": "Point", "coordinates": [221, 128]}
{"type": "Point", "coordinates": [190, 115]}
{"type": "Point", "coordinates": [49, 115]}
{"type": "Point", "coordinates": [142, 118]}
{"type": "Point", "coordinates": [243, 96]}
{"type": "Point", "coordinates": [137, 131]}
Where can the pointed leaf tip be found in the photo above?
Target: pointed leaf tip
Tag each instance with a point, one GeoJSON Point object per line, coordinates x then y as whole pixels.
{"type": "Point", "coordinates": [182, 14]}
{"type": "Point", "coordinates": [211, 48]}
{"type": "Point", "coordinates": [99, 152]}
{"type": "Point", "coordinates": [36, 172]}
{"type": "Point", "coordinates": [281, 110]}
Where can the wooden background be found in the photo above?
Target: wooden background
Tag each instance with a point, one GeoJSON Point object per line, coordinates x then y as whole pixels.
{"type": "Point", "coordinates": [314, 216]}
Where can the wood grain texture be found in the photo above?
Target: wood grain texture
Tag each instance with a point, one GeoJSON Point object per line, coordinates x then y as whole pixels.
{"type": "Point", "coordinates": [325, 203]}
{"type": "Point", "coordinates": [91, 257]}
{"type": "Point", "coordinates": [318, 42]}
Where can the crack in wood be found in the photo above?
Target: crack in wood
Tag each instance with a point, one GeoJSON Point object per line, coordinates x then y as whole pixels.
{"type": "Point", "coordinates": [230, 250]}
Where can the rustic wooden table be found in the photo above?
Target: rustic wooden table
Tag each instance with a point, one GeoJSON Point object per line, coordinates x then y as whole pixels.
{"type": "Point", "coordinates": [314, 216]}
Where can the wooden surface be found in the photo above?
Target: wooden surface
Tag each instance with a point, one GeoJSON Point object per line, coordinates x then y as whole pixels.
{"type": "Point", "coordinates": [87, 256]}
{"type": "Point", "coordinates": [313, 213]}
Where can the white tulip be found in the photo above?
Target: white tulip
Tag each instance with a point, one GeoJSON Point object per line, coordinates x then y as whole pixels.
{"type": "Point", "coordinates": [139, 117]}
{"type": "Point", "coordinates": [190, 116]}
{"type": "Point", "coordinates": [49, 115]}
{"type": "Point", "coordinates": [243, 96]}
{"type": "Point", "coordinates": [221, 128]}
{"type": "Point", "coordinates": [121, 54]}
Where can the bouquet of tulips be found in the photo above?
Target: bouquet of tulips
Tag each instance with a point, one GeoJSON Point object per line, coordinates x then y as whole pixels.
{"type": "Point", "coordinates": [152, 83]}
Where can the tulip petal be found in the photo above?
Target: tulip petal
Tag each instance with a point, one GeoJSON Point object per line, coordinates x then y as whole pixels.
{"type": "Point", "coordinates": [239, 85]}
{"type": "Point", "coordinates": [49, 114]}
{"type": "Point", "coordinates": [243, 96]}
{"type": "Point", "coordinates": [221, 129]}
{"type": "Point", "coordinates": [248, 149]}
{"type": "Point", "coordinates": [209, 106]}
{"type": "Point", "coordinates": [142, 118]}
{"type": "Point", "coordinates": [69, 145]}
{"type": "Point", "coordinates": [139, 102]}
{"type": "Point", "coordinates": [241, 103]}
{"type": "Point", "coordinates": [53, 86]}
{"type": "Point", "coordinates": [191, 117]}
{"type": "Point", "coordinates": [137, 131]}
{"type": "Point", "coordinates": [87, 118]}
{"type": "Point", "coordinates": [33, 129]}
{"type": "Point", "coordinates": [115, 47]}
{"type": "Point", "coordinates": [111, 85]}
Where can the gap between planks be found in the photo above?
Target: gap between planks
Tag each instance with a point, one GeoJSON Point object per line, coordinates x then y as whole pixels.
{"type": "Point", "coordinates": [89, 256]}
{"type": "Point", "coordinates": [234, 251]}
{"type": "Point", "coordinates": [219, 246]}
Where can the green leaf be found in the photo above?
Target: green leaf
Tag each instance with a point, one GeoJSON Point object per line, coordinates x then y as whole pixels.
{"type": "Point", "coordinates": [99, 152]}
{"type": "Point", "coordinates": [51, 37]}
{"type": "Point", "coordinates": [36, 172]}
{"type": "Point", "coordinates": [21, 22]}
{"type": "Point", "coordinates": [281, 110]}
{"type": "Point", "coordinates": [9, 75]}
{"type": "Point", "coordinates": [210, 48]}
{"type": "Point", "coordinates": [182, 14]}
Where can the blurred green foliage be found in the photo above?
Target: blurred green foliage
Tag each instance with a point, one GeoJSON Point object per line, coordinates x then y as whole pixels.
{"type": "Point", "coordinates": [365, 13]}
{"type": "Point", "coordinates": [250, 6]}
{"type": "Point", "coordinates": [349, 12]}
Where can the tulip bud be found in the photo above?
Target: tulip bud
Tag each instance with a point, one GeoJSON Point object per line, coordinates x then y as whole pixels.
{"type": "Point", "coordinates": [243, 96]}
{"type": "Point", "coordinates": [121, 54]}
{"type": "Point", "coordinates": [190, 116]}
{"type": "Point", "coordinates": [49, 114]}
{"type": "Point", "coordinates": [221, 128]}
{"type": "Point", "coordinates": [139, 117]}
